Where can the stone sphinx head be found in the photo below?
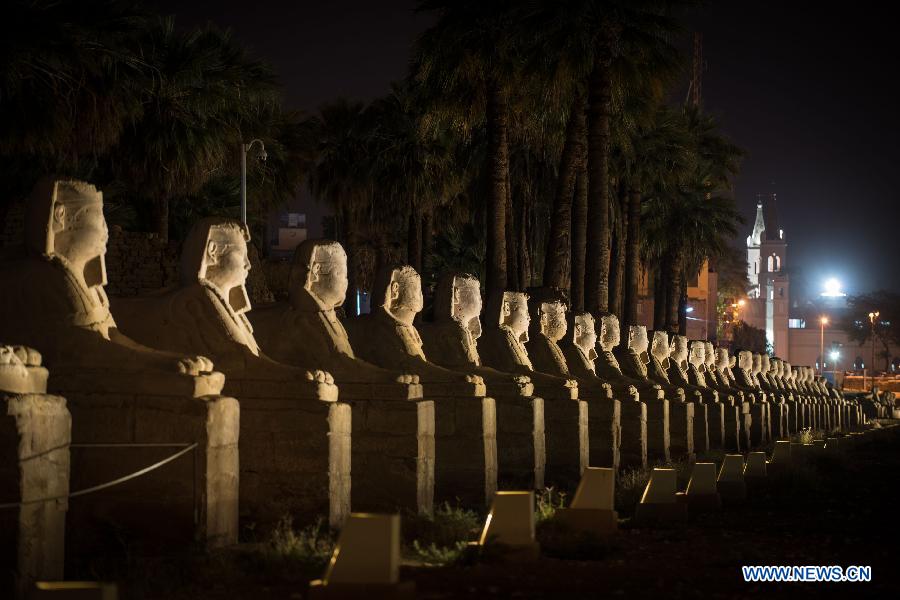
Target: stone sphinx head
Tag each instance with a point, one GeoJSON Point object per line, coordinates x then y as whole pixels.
{"type": "Point", "coordinates": [64, 220]}
{"type": "Point", "coordinates": [215, 253]}
{"type": "Point", "coordinates": [548, 316]}
{"type": "Point", "coordinates": [765, 363]}
{"type": "Point", "coordinates": [458, 298]}
{"type": "Point", "coordinates": [609, 332]}
{"type": "Point", "coordinates": [679, 349]}
{"type": "Point", "coordinates": [319, 271]}
{"type": "Point", "coordinates": [698, 354]}
{"type": "Point", "coordinates": [757, 364]}
{"type": "Point", "coordinates": [659, 346]}
{"type": "Point", "coordinates": [584, 334]}
{"type": "Point", "coordinates": [638, 342]}
{"type": "Point", "coordinates": [722, 359]}
{"type": "Point", "coordinates": [399, 292]}
{"type": "Point", "coordinates": [786, 369]}
{"type": "Point", "coordinates": [710, 356]}
{"type": "Point", "coordinates": [745, 360]}
{"type": "Point", "coordinates": [514, 314]}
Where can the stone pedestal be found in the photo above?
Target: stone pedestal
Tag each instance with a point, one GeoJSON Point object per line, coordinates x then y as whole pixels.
{"type": "Point", "coordinates": [733, 419]}
{"type": "Point", "coordinates": [701, 427]}
{"type": "Point", "coordinates": [757, 433]}
{"type": "Point", "coordinates": [658, 434]}
{"type": "Point", "coordinates": [567, 438]}
{"type": "Point", "coordinates": [393, 456]}
{"type": "Point", "coordinates": [633, 448]}
{"type": "Point", "coordinates": [465, 444]}
{"type": "Point", "coordinates": [681, 428]}
{"type": "Point", "coordinates": [35, 431]}
{"type": "Point", "coordinates": [777, 413]}
{"type": "Point", "coordinates": [604, 433]}
{"type": "Point", "coordinates": [746, 424]}
{"type": "Point", "coordinates": [191, 499]}
{"type": "Point", "coordinates": [521, 445]}
{"type": "Point", "coordinates": [295, 460]}
{"type": "Point", "coordinates": [716, 417]}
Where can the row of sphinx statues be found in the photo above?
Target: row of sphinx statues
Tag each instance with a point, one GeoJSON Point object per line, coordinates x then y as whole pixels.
{"type": "Point", "coordinates": [518, 392]}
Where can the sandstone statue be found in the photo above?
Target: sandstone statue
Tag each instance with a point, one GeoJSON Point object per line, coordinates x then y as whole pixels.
{"type": "Point", "coordinates": [658, 371]}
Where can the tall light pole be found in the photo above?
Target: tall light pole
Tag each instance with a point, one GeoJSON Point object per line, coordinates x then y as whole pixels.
{"type": "Point", "coordinates": [872, 317]}
{"type": "Point", "coordinates": [245, 148]}
{"type": "Point", "coordinates": [823, 321]}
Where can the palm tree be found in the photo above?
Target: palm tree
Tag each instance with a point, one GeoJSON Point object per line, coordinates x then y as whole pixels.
{"type": "Point", "coordinates": [200, 89]}
{"type": "Point", "coordinates": [467, 67]}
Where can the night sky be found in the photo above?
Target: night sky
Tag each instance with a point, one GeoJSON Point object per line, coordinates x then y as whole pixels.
{"type": "Point", "coordinates": [807, 92]}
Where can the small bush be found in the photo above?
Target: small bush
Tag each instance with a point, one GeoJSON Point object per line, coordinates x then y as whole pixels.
{"type": "Point", "coordinates": [548, 501]}
{"type": "Point", "coordinates": [312, 544]}
{"type": "Point", "coordinates": [440, 539]}
{"type": "Point", "coordinates": [438, 555]}
{"type": "Point", "coordinates": [630, 484]}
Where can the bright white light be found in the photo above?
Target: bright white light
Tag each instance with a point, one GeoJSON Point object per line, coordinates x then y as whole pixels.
{"type": "Point", "coordinates": [833, 288]}
{"type": "Point", "coordinates": [689, 309]}
{"type": "Point", "coordinates": [835, 355]}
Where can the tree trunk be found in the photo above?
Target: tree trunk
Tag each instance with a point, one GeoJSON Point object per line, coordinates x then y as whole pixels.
{"type": "Point", "coordinates": [557, 257]}
{"type": "Point", "coordinates": [426, 240]}
{"type": "Point", "coordinates": [498, 169]}
{"type": "Point", "coordinates": [579, 234]}
{"type": "Point", "coordinates": [512, 258]}
{"type": "Point", "coordinates": [632, 259]}
{"type": "Point", "coordinates": [414, 241]}
{"type": "Point", "coordinates": [659, 300]}
{"type": "Point", "coordinates": [524, 257]}
{"type": "Point", "coordinates": [615, 273]}
{"type": "Point", "coordinates": [682, 306]}
{"type": "Point", "coordinates": [673, 290]}
{"type": "Point", "coordinates": [596, 275]}
{"type": "Point", "coordinates": [161, 217]}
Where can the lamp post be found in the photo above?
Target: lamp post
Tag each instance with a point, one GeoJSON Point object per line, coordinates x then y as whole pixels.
{"type": "Point", "coordinates": [245, 148]}
{"type": "Point", "coordinates": [872, 317]}
{"type": "Point", "coordinates": [823, 321]}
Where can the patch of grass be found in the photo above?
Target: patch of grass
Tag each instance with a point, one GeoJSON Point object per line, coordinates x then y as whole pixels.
{"type": "Point", "coordinates": [440, 539]}
{"type": "Point", "coordinates": [433, 555]}
{"type": "Point", "coordinates": [312, 545]}
{"type": "Point", "coordinates": [630, 484]}
{"type": "Point", "coordinates": [549, 500]}
{"type": "Point", "coordinates": [804, 436]}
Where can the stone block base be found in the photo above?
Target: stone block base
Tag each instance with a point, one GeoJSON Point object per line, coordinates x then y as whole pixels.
{"type": "Point", "coordinates": [733, 419]}
{"type": "Point", "coordinates": [465, 450]}
{"type": "Point", "coordinates": [604, 433]}
{"type": "Point", "coordinates": [701, 428]}
{"type": "Point", "coordinates": [658, 434]}
{"type": "Point", "coordinates": [716, 417]}
{"type": "Point", "coordinates": [634, 434]}
{"type": "Point", "coordinates": [681, 428]}
{"type": "Point", "coordinates": [35, 432]}
{"type": "Point", "coordinates": [590, 520]}
{"type": "Point", "coordinates": [660, 513]}
{"type": "Point", "coordinates": [521, 449]}
{"type": "Point", "coordinates": [566, 430]}
{"type": "Point", "coordinates": [189, 500]}
{"type": "Point", "coordinates": [295, 460]}
{"type": "Point", "coordinates": [757, 432]}
{"type": "Point", "coordinates": [393, 456]}
{"type": "Point", "coordinates": [732, 491]}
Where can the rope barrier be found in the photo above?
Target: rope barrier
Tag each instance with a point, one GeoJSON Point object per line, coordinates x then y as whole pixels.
{"type": "Point", "coordinates": [114, 482]}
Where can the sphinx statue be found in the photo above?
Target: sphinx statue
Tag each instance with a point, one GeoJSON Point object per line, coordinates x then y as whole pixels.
{"type": "Point", "coordinates": [503, 347]}
{"type": "Point", "coordinates": [660, 366]}
{"type": "Point", "coordinates": [117, 389]}
{"type": "Point", "coordinates": [579, 348]}
{"type": "Point", "coordinates": [684, 373]}
{"type": "Point", "coordinates": [724, 417]}
{"type": "Point", "coordinates": [450, 341]}
{"type": "Point", "coordinates": [548, 326]}
{"type": "Point", "coordinates": [758, 425]}
{"type": "Point", "coordinates": [465, 459]}
{"type": "Point", "coordinates": [607, 364]}
{"type": "Point", "coordinates": [207, 313]}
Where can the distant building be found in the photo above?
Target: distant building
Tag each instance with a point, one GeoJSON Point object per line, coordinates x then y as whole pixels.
{"type": "Point", "coordinates": [768, 300]}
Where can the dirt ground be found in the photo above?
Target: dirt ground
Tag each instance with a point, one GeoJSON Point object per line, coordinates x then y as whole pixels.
{"type": "Point", "coordinates": [835, 511]}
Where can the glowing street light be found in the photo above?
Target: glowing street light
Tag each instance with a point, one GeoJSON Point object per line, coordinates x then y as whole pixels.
{"type": "Point", "coordinates": [833, 288]}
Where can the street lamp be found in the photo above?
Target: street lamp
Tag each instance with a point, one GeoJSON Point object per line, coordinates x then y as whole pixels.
{"type": "Point", "coordinates": [872, 317]}
{"type": "Point", "coordinates": [262, 156]}
{"type": "Point", "coordinates": [824, 322]}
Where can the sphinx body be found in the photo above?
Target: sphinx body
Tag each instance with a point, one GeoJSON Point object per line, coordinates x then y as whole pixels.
{"type": "Point", "coordinates": [608, 368]}
{"type": "Point", "coordinates": [207, 312]}
{"type": "Point", "coordinates": [658, 371]}
{"type": "Point", "coordinates": [450, 340]}
{"type": "Point", "coordinates": [503, 347]}
{"type": "Point", "coordinates": [683, 373]}
{"type": "Point", "coordinates": [117, 389]}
